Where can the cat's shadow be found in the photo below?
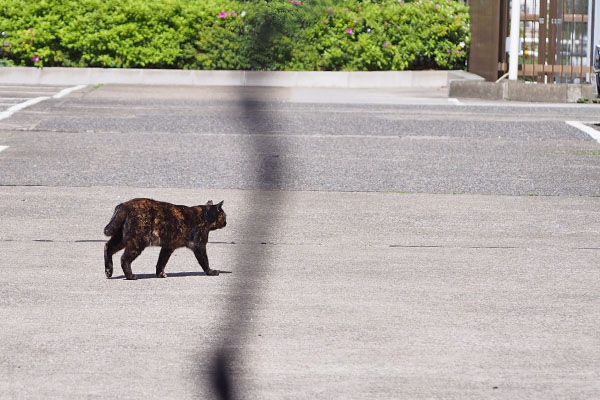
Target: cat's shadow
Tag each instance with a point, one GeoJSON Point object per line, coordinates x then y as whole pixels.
{"type": "Point", "coordinates": [170, 275]}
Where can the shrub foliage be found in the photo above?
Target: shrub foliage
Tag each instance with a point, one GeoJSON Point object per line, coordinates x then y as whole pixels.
{"type": "Point", "coordinates": [309, 35]}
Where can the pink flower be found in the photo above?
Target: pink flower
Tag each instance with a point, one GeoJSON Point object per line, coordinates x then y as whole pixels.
{"type": "Point", "coordinates": [232, 12]}
{"type": "Point", "coordinates": [330, 11]}
{"type": "Point", "coordinates": [447, 50]}
{"type": "Point", "coordinates": [386, 23]}
{"type": "Point", "coordinates": [222, 14]}
{"type": "Point", "coordinates": [325, 21]}
{"type": "Point", "coordinates": [35, 58]}
{"type": "Point", "coordinates": [385, 44]}
{"type": "Point", "coordinates": [349, 31]}
{"type": "Point", "coordinates": [437, 6]}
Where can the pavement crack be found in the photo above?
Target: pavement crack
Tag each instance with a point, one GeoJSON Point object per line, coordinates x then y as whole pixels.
{"type": "Point", "coordinates": [79, 241]}
{"type": "Point", "coordinates": [415, 246]}
{"type": "Point", "coordinates": [426, 246]}
{"type": "Point", "coordinates": [22, 185]}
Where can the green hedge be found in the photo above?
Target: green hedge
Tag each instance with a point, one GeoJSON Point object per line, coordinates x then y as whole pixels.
{"type": "Point", "coordinates": [226, 34]}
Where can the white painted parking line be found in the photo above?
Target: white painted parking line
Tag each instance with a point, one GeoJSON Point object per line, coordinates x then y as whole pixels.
{"type": "Point", "coordinates": [40, 87]}
{"type": "Point", "coordinates": [3, 148]}
{"type": "Point", "coordinates": [16, 99]}
{"type": "Point", "coordinates": [27, 93]}
{"type": "Point", "coordinates": [66, 91]}
{"type": "Point", "coordinates": [20, 106]}
{"type": "Point", "coordinates": [594, 133]}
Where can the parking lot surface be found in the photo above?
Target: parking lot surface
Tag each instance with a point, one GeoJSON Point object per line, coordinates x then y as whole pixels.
{"type": "Point", "coordinates": [407, 247]}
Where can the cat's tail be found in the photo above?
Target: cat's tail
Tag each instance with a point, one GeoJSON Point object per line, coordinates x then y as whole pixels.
{"type": "Point", "coordinates": [117, 221]}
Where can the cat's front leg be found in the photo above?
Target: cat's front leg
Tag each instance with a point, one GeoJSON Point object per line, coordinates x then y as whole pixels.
{"type": "Point", "coordinates": [202, 257]}
{"type": "Point", "coordinates": [163, 258]}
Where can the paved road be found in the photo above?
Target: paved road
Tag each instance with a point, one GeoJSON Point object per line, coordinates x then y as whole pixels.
{"type": "Point", "coordinates": [410, 253]}
{"type": "Point", "coordinates": [198, 137]}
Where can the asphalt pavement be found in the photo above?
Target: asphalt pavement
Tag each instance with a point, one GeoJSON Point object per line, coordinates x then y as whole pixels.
{"type": "Point", "coordinates": [410, 245]}
{"type": "Point", "coordinates": [201, 137]}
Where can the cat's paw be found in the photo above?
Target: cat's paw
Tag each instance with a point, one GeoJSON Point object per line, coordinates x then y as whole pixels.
{"type": "Point", "coordinates": [108, 272]}
{"type": "Point", "coordinates": [161, 275]}
{"type": "Point", "coordinates": [212, 272]}
{"type": "Point", "coordinates": [131, 278]}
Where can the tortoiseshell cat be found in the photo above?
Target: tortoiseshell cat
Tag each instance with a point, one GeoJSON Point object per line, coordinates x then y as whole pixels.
{"type": "Point", "coordinates": [139, 223]}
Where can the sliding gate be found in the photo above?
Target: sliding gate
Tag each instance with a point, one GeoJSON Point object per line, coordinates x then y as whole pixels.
{"type": "Point", "coordinates": [556, 40]}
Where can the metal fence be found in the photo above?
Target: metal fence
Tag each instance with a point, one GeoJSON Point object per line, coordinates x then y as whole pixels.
{"type": "Point", "coordinates": [556, 42]}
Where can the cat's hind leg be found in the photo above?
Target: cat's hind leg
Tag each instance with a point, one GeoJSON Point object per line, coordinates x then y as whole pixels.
{"type": "Point", "coordinates": [131, 252]}
{"type": "Point", "coordinates": [114, 244]}
{"type": "Point", "coordinates": [163, 258]}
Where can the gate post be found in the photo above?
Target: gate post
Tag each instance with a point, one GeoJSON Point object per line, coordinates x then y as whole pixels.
{"type": "Point", "coordinates": [515, 39]}
{"type": "Point", "coordinates": [489, 25]}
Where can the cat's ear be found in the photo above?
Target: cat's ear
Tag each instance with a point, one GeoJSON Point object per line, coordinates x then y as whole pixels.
{"type": "Point", "coordinates": [209, 203]}
{"type": "Point", "coordinates": [220, 204]}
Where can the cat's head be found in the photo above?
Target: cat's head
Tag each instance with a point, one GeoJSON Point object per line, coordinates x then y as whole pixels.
{"type": "Point", "coordinates": [217, 218]}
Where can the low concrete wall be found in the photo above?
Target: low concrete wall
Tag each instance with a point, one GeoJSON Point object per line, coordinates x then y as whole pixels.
{"type": "Point", "coordinates": [93, 76]}
{"type": "Point", "coordinates": [521, 91]}
{"type": "Point", "coordinates": [477, 90]}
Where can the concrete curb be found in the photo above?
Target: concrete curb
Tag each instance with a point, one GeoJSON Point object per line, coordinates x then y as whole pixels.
{"type": "Point", "coordinates": [521, 91]}
{"type": "Point", "coordinates": [355, 80]}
